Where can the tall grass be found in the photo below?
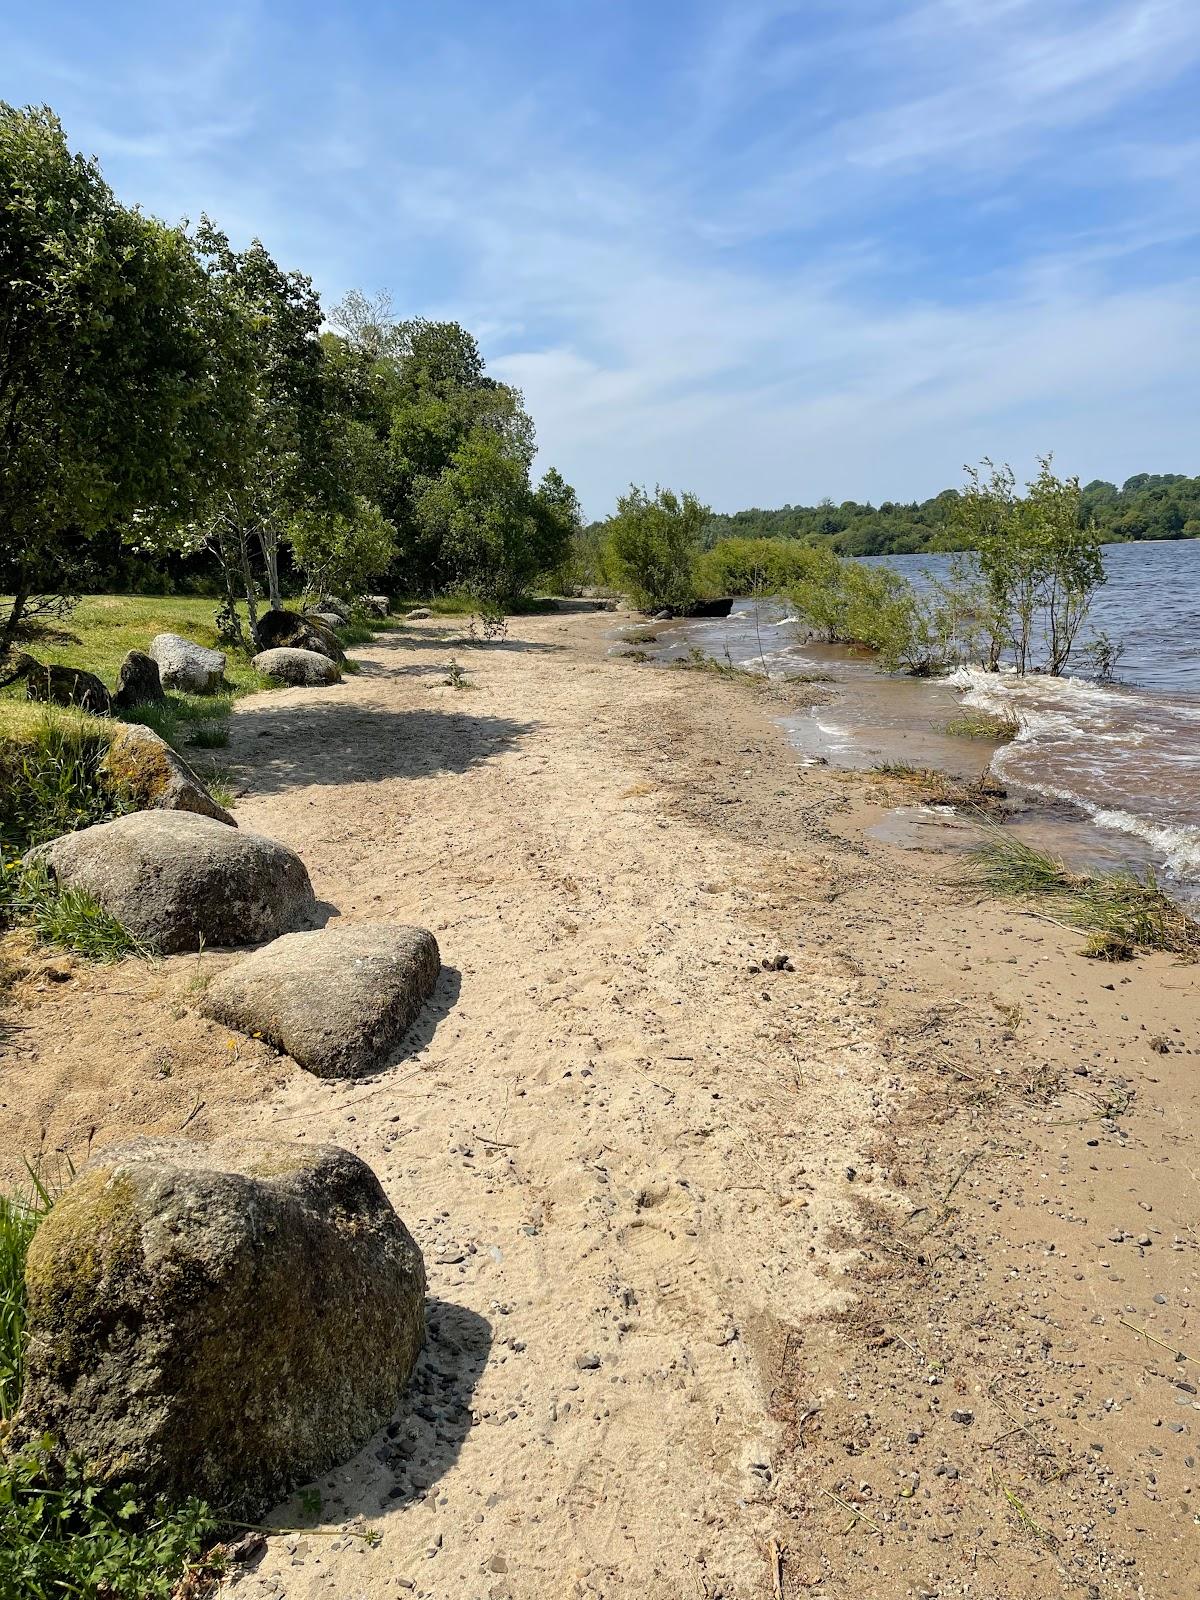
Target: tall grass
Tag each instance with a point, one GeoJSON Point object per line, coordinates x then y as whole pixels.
{"type": "Point", "coordinates": [1121, 912]}
{"type": "Point", "coordinates": [50, 780]}
{"type": "Point", "coordinates": [20, 1214]}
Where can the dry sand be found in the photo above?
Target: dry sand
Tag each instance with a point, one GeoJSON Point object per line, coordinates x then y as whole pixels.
{"type": "Point", "coordinates": [846, 1280]}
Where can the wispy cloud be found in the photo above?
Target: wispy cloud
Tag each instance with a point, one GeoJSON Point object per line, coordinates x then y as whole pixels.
{"type": "Point", "coordinates": [768, 250]}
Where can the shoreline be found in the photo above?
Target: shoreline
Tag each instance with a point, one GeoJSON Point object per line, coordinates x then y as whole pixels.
{"type": "Point", "coordinates": [797, 1215]}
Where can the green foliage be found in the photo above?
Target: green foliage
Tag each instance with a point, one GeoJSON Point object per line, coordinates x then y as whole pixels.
{"type": "Point", "coordinates": [62, 1535]}
{"type": "Point", "coordinates": [20, 1214]}
{"type": "Point", "coordinates": [50, 781]}
{"type": "Point", "coordinates": [481, 517]}
{"type": "Point", "coordinates": [1147, 506]}
{"type": "Point", "coordinates": [343, 553]}
{"type": "Point", "coordinates": [652, 545]}
{"type": "Point", "coordinates": [983, 725]}
{"type": "Point", "coordinates": [757, 566]}
{"type": "Point", "coordinates": [68, 919]}
{"type": "Point", "coordinates": [1039, 568]}
{"type": "Point", "coordinates": [103, 368]}
{"type": "Point", "coordinates": [1119, 910]}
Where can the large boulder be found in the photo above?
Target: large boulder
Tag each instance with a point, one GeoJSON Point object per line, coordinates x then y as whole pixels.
{"type": "Point", "coordinates": [288, 630]}
{"type": "Point", "coordinates": [60, 685]}
{"type": "Point", "coordinates": [330, 618]}
{"type": "Point", "coordinates": [329, 604]}
{"type": "Point", "coordinates": [306, 668]}
{"type": "Point", "coordinates": [143, 767]}
{"type": "Point", "coordinates": [186, 666]}
{"type": "Point", "coordinates": [222, 1320]}
{"type": "Point", "coordinates": [376, 605]}
{"type": "Point", "coordinates": [419, 614]}
{"type": "Point", "coordinates": [337, 1001]}
{"type": "Point", "coordinates": [179, 881]}
{"type": "Point", "coordinates": [138, 682]}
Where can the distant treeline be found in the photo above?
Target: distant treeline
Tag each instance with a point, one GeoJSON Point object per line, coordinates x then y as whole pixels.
{"type": "Point", "coordinates": [1147, 506]}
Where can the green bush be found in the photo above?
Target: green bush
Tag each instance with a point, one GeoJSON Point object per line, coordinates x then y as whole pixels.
{"type": "Point", "coordinates": [50, 782]}
{"type": "Point", "coordinates": [62, 1535]}
{"type": "Point", "coordinates": [757, 566]}
{"type": "Point", "coordinates": [652, 546]}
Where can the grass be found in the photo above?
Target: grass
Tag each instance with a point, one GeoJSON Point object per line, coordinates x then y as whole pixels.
{"type": "Point", "coordinates": [697, 661]}
{"type": "Point", "coordinates": [983, 725]}
{"type": "Point", "coordinates": [67, 919]}
{"type": "Point", "coordinates": [20, 1214]}
{"type": "Point", "coordinates": [1120, 912]}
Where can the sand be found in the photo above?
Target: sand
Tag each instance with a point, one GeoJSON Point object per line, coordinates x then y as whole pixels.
{"type": "Point", "coordinates": [717, 1254]}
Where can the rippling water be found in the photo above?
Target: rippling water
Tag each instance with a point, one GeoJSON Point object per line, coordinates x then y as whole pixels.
{"type": "Point", "coordinates": [1115, 767]}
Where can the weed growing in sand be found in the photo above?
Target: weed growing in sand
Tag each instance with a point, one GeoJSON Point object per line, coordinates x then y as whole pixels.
{"type": "Point", "coordinates": [68, 919]}
{"type": "Point", "coordinates": [697, 661]}
{"type": "Point", "coordinates": [456, 677]}
{"type": "Point", "coordinates": [209, 736]}
{"type": "Point", "coordinates": [1121, 912]}
{"type": "Point", "coordinates": [983, 725]}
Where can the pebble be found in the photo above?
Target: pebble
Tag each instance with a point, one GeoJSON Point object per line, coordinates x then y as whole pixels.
{"type": "Point", "coordinates": [587, 1363]}
{"type": "Point", "coordinates": [962, 1416]}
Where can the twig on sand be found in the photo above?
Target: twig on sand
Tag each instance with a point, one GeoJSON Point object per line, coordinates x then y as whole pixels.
{"type": "Point", "coordinates": [194, 1112]}
{"type": "Point", "coordinates": [1180, 1355]}
{"type": "Point", "coordinates": [857, 1514]}
{"type": "Point", "coordinates": [775, 1556]}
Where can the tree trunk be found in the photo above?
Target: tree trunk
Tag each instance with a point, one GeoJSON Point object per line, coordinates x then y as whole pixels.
{"type": "Point", "coordinates": [269, 544]}
{"type": "Point", "coordinates": [13, 621]}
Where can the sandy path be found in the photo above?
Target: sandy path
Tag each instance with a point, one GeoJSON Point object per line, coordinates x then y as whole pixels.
{"type": "Point", "coordinates": [583, 1144]}
{"type": "Point", "coordinates": [744, 1283]}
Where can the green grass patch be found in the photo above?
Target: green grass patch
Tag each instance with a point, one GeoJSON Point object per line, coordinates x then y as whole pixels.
{"type": "Point", "coordinates": [20, 1214]}
{"type": "Point", "coordinates": [1120, 912]}
{"type": "Point", "coordinates": [983, 725]}
{"type": "Point", "coordinates": [697, 661]}
{"type": "Point", "coordinates": [67, 919]}
{"type": "Point", "coordinates": [50, 780]}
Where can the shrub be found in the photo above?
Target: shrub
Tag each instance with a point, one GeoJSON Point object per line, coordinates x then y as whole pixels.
{"type": "Point", "coordinates": [652, 544]}
{"type": "Point", "coordinates": [756, 566]}
{"type": "Point", "coordinates": [50, 781]}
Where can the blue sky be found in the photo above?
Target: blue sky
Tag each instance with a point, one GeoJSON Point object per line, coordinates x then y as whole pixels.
{"type": "Point", "coordinates": [764, 251]}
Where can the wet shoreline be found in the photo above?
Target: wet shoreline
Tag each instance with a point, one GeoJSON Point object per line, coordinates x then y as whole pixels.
{"type": "Point", "coordinates": [1065, 793]}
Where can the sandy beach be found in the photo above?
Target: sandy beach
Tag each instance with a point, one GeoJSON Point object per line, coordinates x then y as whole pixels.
{"type": "Point", "coordinates": [797, 1222]}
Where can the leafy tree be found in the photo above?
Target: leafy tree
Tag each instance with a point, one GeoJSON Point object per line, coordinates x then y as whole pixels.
{"type": "Point", "coordinates": [277, 408]}
{"type": "Point", "coordinates": [480, 516]}
{"type": "Point", "coordinates": [653, 542]}
{"type": "Point", "coordinates": [343, 552]}
{"type": "Point", "coordinates": [103, 365]}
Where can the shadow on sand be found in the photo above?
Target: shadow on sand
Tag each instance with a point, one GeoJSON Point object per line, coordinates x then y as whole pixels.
{"type": "Point", "coordinates": [421, 1442]}
{"type": "Point", "coordinates": [277, 747]}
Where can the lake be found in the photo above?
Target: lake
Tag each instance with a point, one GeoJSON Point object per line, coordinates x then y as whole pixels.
{"type": "Point", "coordinates": [1111, 771]}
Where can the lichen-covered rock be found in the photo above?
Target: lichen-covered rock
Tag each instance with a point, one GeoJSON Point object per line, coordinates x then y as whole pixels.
{"type": "Point", "coordinates": [61, 685]}
{"type": "Point", "coordinates": [186, 666]}
{"type": "Point", "coordinates": [288, 630]}
{"type": "Point", "coordinates": [378, 605]}
{"type": "Point", "coordinates": [178, 880]}
{"type": "Point", "coordinates": [302, 668]}
{"type": "Point", "coordinates": [419, 614]}
{"type": "Point", "coordinates": [337, 608]}
{"type": "Point", "coordinates": [144, 768]}
{"type": "Point", "coordinates": [331, 619]}
{"type": "Point", "coordinates": [337, 1001]}
{"type": "Point", "coordinates": [138, 682]}
{"type": "Point", "coordinates": [221, 1320]}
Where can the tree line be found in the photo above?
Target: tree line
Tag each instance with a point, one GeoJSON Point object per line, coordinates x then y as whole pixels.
{"type": "Point", "coordinates": [1019, 598]}
{"type": "Point", "coordinates": [174, 409]}
{"type": "Point", "coordinates": [1147, 506]}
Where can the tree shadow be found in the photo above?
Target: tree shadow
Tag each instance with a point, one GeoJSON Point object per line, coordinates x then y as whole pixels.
{"type": "Point", "coordinates": [423, 1440]}
{"type": "Point", "coordinates": [459, 637]}
{"type": "Point", "coordinates": [274, 747]}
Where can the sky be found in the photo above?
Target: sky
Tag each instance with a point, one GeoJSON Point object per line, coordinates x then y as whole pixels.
{"type": "Point", "coordinates": [766, 252]}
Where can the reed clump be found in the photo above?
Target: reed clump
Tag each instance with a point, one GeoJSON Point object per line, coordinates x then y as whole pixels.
{"type": "Point", "coordinates": [1120, 912]}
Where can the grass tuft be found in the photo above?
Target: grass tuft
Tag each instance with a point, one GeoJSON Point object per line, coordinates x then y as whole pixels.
{"type": "Point", "coordinates": [20, 1214]}
{"type": "Point", "coordinates": [983, 725]}
{"type": "Point", "coordinates": [68, 919]}
{"type": "Point", "coordinates": [1121, 912]}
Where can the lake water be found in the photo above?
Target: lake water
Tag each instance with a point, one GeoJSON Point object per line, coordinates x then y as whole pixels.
{"type": "Point", "coordinates": [1111, 773]}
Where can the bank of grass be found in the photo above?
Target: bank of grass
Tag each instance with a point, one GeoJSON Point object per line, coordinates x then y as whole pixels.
{"type": "Point", "coordinates": [1120, 912]}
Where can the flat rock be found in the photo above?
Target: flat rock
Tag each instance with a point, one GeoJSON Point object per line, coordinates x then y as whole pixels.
{"type": "Point", "coordinates": [300, 668]}
{"type": "Point", "coordinates": [143, 767]}
{"type": "Point", "coordinates": [420, 614]}
{"type": "Point", "coordinates": [186, 666]}
{"type": "Point", "coordinates": [338, 1001]}
{"type": "Point", "coordinates": [222, 1320]}
{"type": "Point", "coordinates": [138, 682]}
{"type": "Point", "coordinates": [178, 880]}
